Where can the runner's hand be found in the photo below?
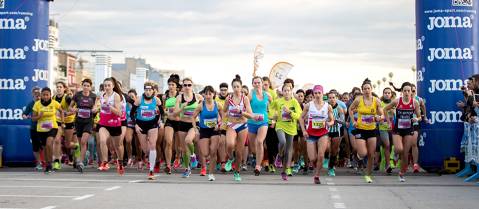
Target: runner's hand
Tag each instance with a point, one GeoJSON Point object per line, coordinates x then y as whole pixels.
{"type": "Point", "coordinates": [138, 129]}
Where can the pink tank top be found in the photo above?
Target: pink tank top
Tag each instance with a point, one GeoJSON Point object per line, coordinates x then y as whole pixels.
{"type": "Point", "coordinates": [108, 118]}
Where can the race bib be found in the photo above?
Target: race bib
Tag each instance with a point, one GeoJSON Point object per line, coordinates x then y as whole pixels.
{"type": "Point", "coordinates": [84, 113]}
{"type": "Point", "coordinates": [285, 116]}
{"type": "Point", "coordinates": [317, 123]}
{"type": "Point", "coordinates": [367, 119]}
{"type": "Point", "coordinates": [211, 123]}
{"type": "Point", "coordinates": [188, 113]}
{"type": "Point", "coordinates": [259, 116]}
{"type": "Point", "coordinates": [46, 125]}
{"type": "Point", "coordinates": [234, 112]}
{"type": "Point", "coordinates": [105, 109]}
{"type": "Point", "coordinates": [404, 123]}
{"type": "Point", "coordinates": [147, 113]}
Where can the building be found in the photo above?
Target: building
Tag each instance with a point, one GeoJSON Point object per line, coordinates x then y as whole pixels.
{"type": "Point", "coordinates": [103, 69]}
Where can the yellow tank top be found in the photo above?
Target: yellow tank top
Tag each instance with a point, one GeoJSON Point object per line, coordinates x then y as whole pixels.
{"type": "Point", "coordinates": [366, 115]}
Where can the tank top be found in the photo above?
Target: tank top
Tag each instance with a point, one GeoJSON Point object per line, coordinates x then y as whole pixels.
{"type": "Point", "coordinates": [259, 108]}
{"type": "Point", "coordinates": [404, 115]}
{"type": "Point", "coordinates": [146, 112]}
{"type": "Point", "coordinates": [234, 110]}
{"type": "Point", "coordinates": [170, 104]}
{"type": "Point", "coordinates": [108, 118]}
{"type": "Point", "coordinates": [85, 105]}
{"type": "Point", "coordinates": [128, 116]}
{"type": "Point", "coordinates": [384, 126]}
{"type": "Point", "coordinates": [190, 107]}
{"type": "Point", "coordinates": [209, 119]}
{"type": "Point", "coordinates": [366, 115]}
{"type": "Point", "coordinates": [336, 116]}
{"type": "Point", "coordinates": [123, 108]}
{"type": "Point", "coordinates": [317, 119]}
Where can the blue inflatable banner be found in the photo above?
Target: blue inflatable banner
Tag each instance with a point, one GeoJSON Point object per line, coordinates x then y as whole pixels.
{"type": "Point", "coordinates": [23, 65]}
{"type": "Point", "coordinates": [446, 44]}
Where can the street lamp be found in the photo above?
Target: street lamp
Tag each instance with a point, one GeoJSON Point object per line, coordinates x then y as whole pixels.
{"type": "Point", "coordinates": [391, 76]}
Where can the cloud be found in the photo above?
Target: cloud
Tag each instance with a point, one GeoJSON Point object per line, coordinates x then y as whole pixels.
{"type": "Point", "coordinates": [219, 36]}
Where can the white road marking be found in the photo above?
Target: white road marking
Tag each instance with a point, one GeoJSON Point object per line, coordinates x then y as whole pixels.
{"type": "Point", "coordinates": [135, 181]}
{"type": "Point", "coordinates": [83, 197]}
{"type": "Point", "coordinates": [335, 196]}
{"type": "Point", "coordinates": [333, 189]}
{"type": "Point", "coordinates": [40, 196]}
{"type": "Point", "coordinates": [330, 183]}
{"type": "Point", "coordinates": [339, 205]}
{"type": "Point", "coordinates": [112, 188]}
{"type": "Point", "coordinates": [51, 187]}
{"type": "Point", "coordinates": [49, 207]}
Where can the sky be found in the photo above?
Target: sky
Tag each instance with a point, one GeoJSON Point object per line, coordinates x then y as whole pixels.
{"type": "Point", "coordinates": [334, 43]}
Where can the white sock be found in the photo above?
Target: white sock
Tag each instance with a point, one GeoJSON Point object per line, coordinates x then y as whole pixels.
{"type": "Point", "coordinates": [152, 159]}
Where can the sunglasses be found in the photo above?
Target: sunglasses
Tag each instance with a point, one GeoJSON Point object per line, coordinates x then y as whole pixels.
{"type": "Point", "coordinates": [187, 85]}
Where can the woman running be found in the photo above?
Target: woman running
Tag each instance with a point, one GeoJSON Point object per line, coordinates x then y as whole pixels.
{"type": "Point", "coordinates": [257, 129]}
{"type": "Point", "coordinates": [171, 124]}
{"type": "Point", "coordinates": [130, 128]}
{"type": "Point", "coordinates": [334, 132]}
{"type": "Point", "coordinates": [369, 113]}
{"type": "Point", "coordinates": [407, 108]}
{"type": "Point", "coordinates": [271, 138]}
{"type": "Point", "coordinates": [110, 123]}
{"type": "Point", "coordinates": [186, 104]}
{"type": "Point", "coordinates": [385, 129]}
{"type": "Point", "coordinates": [83, 105]}
{"type": "Point", "coordinates": [209, 112]}
{"type": "Point", "coordinates": [65, 127]}
{"type": "Point", "coordinates": [44, 113]}
{"type": "Point", "coordinates": [145, 111]}
{"type": "Point", "coordinates": [288, 112]}
{"type": "Point", "coordinates": [220, 100]}
{"type": "Point", "coordinates": [238, 109]}
{"type": "Point", "coordinates": [319, 115]}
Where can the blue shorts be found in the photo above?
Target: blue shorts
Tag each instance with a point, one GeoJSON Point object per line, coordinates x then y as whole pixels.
{"type": "Point", "coordinates": [314, 139]}
{"type": "Point", "coordinates": [239, 127]}
{"type": "Point", "coordinates": [253, 128]}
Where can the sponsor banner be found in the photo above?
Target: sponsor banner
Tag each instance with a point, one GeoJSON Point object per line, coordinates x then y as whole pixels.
{"type": "Point", "coordinates": [446, 54]}
{"type": "Point", "coordinates": [23, 65]}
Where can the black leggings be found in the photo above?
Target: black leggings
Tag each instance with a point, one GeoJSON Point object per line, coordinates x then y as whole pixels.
{"type": "Point", "coordinates": [272, 144]}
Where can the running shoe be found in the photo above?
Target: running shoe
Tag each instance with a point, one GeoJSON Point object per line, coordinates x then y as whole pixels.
{"type": "Point", "coordinates": [229, 165]}
{"type": "Point", "coordinates": [168, 170]}
{"type": "Point", "coordinates": [57, 165]}
{"type": "Point", "coordinates": [376, 168]}
{"type": "Point", "coordinates": [194, 161]}
{"type": "Point", "coordinates": [289, 172]}
{"type": "Point", "coordinates": [151, 175]}
{"type": "Point", "coordinates": [278, 162]}
{"type": "Point", "coordinates": [223, 167]}
{"type": "Point", "coordinates": [331, 172]}
{"type": "Point", "coordinates": [236, 176]}
{"type": "Point", "coordinates": [296, 168]}
{"type": "Point", "coordinates": [176, 164]}
{"type": "Point", "coordinates": [257, 170]}
{"type": "Point", "coordinates": [368, 179]}
{"type": "Point", "coordinates": [316, 180]}
{"type": "Point", "coordinates": [348, 163]}
{"type": "Point", "coordinates": [284, 176]}
{"type": "Point", "coordinates": [203, 171]}
{"type": "Point", "coordinates": [401, 177]}
{"type": "Point", "coordinates": [130, 163]}
{"type": "Point", "coordinates": [271, 169]}
{"type": "Point", "coordinates": [120, 169]}
{"type": "Point", "coordinates": [326, 163]}
{"type": "Point", "coordinates": [187, 173]}
{"type": "Point", "coordinates": [211, 177]}
{"type": "Point", "coordinates": [80, 167]}
{"type": "Point", "coordinates": [48, 169]}
{"type": "Point", "coordinates": [39, 167]}
{"type": "Point", "coordinates": [218, 166]}
{"type": "Point", "coordinates": [389, 170]}
{"type": "Point", "coordinates": [416, 168]}
{"type": "Point", "coordinates": [157, 167]}
{"type": "Point", "coordinates": [244, 167]}
{"type": "Point", "coordinates": [107, 166]}
{"type": "Point", "coordinates": [301, 162]}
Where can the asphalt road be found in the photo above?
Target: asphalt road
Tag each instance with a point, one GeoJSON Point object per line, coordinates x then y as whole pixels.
{"type": "Point", "coordinates": [23, 188]}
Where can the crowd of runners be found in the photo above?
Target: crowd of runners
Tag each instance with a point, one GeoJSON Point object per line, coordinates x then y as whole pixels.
{"type": "Point", "coordinates": [227, 129]}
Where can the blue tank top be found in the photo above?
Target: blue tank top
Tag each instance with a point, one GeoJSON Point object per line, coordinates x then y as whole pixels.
{"type": "Point", "coordinates": [209, 119]}
{"type": "Point", "coordinates": [259, 107]}
{"type": "Point", "coordinates": [146, 112]}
